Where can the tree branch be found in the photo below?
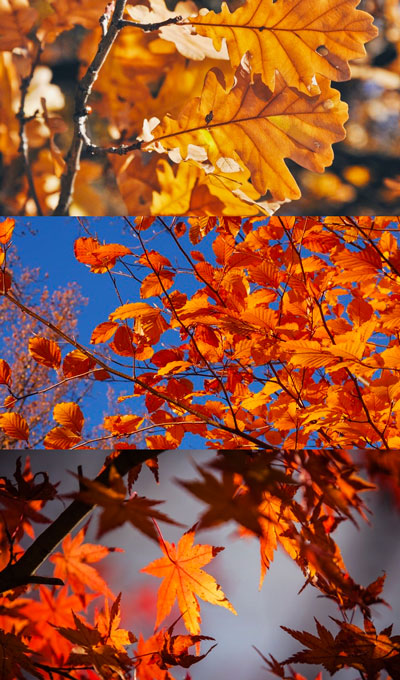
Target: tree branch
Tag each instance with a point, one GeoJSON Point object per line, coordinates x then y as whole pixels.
{"type": "Point", "coordinates": [22, 572]}
{"type": "Point", "coordinates": [22, 119]}
{"type": "Point", "coordinates": [134, 379]}
{"type": "Point", "coordinates": [85, 86]}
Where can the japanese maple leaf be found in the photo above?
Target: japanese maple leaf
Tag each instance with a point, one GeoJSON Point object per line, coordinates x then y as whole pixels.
{"type": "Point", "coordinates": [72, 564]}
{"type": "Point", "coordinates": [117, 510]}
{"type": "Point", "coordinates": [184, 579]}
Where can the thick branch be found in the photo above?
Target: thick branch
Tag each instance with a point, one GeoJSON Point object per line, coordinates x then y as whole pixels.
{"type": "Point", "coordinates": [22, 572]}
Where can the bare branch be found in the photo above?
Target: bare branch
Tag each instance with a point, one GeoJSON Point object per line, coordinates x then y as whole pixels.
{"type": "Point", "coordinates": [85, 86]}
{"type": "Point", "coordinates": [23, 120]}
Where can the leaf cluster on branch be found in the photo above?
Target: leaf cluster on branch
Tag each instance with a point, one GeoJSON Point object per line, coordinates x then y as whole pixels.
{"type": "Point", "coordinates": [277, 332]}
{"type": "Point", "coordinates": [296, 499]}
{"type": "Point", "coordinates": [196, 110]}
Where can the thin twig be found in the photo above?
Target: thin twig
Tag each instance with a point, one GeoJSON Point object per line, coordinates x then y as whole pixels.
{"type": "Point", "coordinates": [23, 120]}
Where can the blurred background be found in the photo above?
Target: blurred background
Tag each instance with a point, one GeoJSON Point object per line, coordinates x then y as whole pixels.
{"type": "Point", "coordinates": [366, 552]}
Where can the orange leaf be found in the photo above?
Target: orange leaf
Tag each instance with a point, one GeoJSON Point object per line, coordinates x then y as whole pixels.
{"type": "Point", "coordinates": [72, 565]}
{"type": "Point", "coordinates": [101, 258]}
{"type": "Point", "coordinates": [45, 352]}
{"type": "Point", "coordinates": [5, 373]}
{"type": "Point", "coordinates": [77, 363]}
{"type": "Point", "coordinates": [61, 438]}
{"type": "Point", "coordinates": [6, 229]}
{"type": "Point", "coordinates": [103, 332]}
{"type": "Point", "coordinates": [69, 414]}
{"type": "Point", "coordinates": [184, 579]}
{"type": "Point", "coordinates": [14, 425]}
{"type": "Point", "coordinates": [302, 36]}
{"type": "Point", "coordinates": [5, 282]}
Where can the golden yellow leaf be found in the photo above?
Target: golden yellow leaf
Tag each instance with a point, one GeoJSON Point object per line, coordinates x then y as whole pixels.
{"type": "Point", "coordinates": [251, 126]}
{"type": "Point", "coordinates": [306, 38]}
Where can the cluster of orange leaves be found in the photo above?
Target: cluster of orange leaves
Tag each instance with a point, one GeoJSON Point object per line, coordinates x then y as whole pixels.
{"type": "Point", "coordinates": [294, 498]}
{"type": "Point", "coordinates": [218, 101]}
{"type": "Point", "coordinates": [267, 352]}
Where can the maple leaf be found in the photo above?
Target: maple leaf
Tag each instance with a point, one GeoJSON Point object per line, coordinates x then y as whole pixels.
{"type": "Point", "coordinates": [107, 623]}
{"type": "Point", "coordinates": [306, 38]}
{"type": "Point", "coordinates": [255, 127]}
{"type": "Point", "coordinates": [72, 564]}
{"type": "Point", "coordinates": [14, 657]}
{"type": "Point", "coordinates": [184, 579]}
{"type": "Point", "coordinates": [90, 649]}
{"type": "Point", "coordinates": [139, 511]}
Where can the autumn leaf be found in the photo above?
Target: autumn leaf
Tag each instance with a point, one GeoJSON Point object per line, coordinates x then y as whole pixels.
{"type": "Point", "coordinates": [77, 363]}
{"type": "Point", "coordinates": [107, 623]}
{"type": "Point", "coordinates": [101, 258]}
{"type": "Point", "coordinates": [61, 438]}
{"type": "Point", "coordinates": [45, 352]}
{"type": "Point", "coordinates": [306, 39]}
{"type": "Point", "coordinates": [250, 125]}
{"type": "Point", "coordinates": [73, 564]}
{"type": "Point", "coordinates": [14, 425]}
{"type": "Point", "coordinates": [14, 656]}
{"type": "Point", "coordinates": [5, 373]}
{"type": "Point", "coordinates": [69, 415]}
{"type": "Point", "coordinates": [184, 579]}
{"type": "Point", "coordinates": [117, 510]}
{"type": "Point", "coordinates": [103, 332]}
{"type": "Point", "coordinates": [6, 230]}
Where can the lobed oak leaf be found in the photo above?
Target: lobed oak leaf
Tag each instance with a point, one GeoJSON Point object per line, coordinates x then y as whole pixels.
{"type": "Point", "coordinates": [14, 425]}
{"type": "Point", "coordinates": [45, 352]}
{"type": "Point", "coordinates": [6, 230]}
{"type": "Point", "coordinates": [307, 39]}
{"type": "Point", "coordinates": [184, 579]}
{"type": "Point", "coordinates": [69, 414]}
{"type": "Point", "coordinates": [257, 128]}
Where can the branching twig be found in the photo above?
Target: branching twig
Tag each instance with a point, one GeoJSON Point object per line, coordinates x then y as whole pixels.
{"type": "Point", "coordinates": [22, 119]}
{"type": "Point", "coordinates": [22, 572]}
{"type": "Point", "coordinates": [80, 138]}
{"type": "Point", "coordinates": [80, 116]}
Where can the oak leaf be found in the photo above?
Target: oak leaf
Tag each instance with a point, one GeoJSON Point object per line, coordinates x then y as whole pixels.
{"type": "Point", "coordinates": [184, 579]}
{"type": "Point", "coordinates": [305, 38]}
{"type": "Point", "coordinates": [256, 128]}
